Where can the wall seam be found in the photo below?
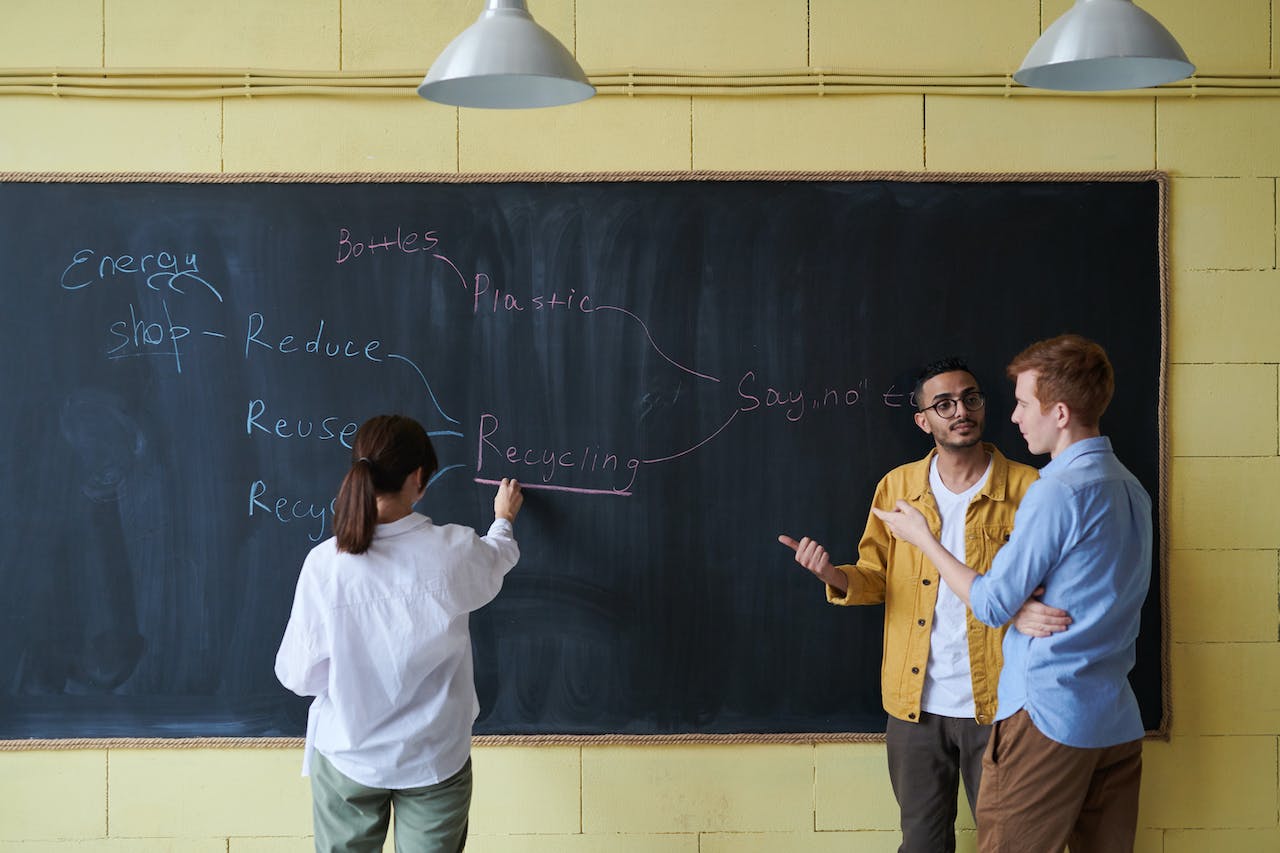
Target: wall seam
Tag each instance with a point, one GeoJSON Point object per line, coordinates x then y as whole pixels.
{"type": "Point", "coordinates": [1155, 133]}
{"type": "Point", "coordinates": [691, 140]}
{"type": "Point", "coordinates": [924, 132]}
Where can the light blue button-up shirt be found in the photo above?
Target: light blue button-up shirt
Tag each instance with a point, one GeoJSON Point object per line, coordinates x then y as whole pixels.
{"type": "Point", "coordinates": [1083, 532]}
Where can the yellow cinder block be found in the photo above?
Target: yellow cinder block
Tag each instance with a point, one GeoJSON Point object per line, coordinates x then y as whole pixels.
{"type": "Point", "coordinates": [1195, 782]}
{"type": "Point", "coordinates": [726, 35]}
{"type": "Point", "coordinates": [921, 35]}
{"type": "Point", "coordinates": [294, 34]}
{"type": "Point", "coordinates": [404, 34]}
{"type": "Point", "coordinates": [1225, 503]}
{"type": "Point", "coordinates": [1029, 134]}
{"type": "Point", "coordinates": [44, 133]}
{"type": "Point", "coordinates": [873, 133]}
{"type": "Point", "coordinates": [54, 794]}
{"type": "Point", "coordinates": [851, 788]}
{"type": "Point", "coordinates": [274, 845]}
{"type": "Point", "coordinates": [866, 841]}
{"type": "Point", "coordinates": [1226, 688]}
{"type": "Point", "coordinates": [1221, 840]}
{"type": "Point", "coordinates": [599, 135]}
{"type": "Point", "coordinates": [202, 793]}
{"type": "Point", "coordinates": [1222, 223]}
{"type": "Point", "coordinates": [126, 845]}
{"type": "Point", "coordinates": [1225, 316]}
{"type": "Point", "coordinates": [1223, 596]}
{"type": "Point", "coordinates": [339, 135]}
{"type": "Point", "coordinates": [1200, 394]}
{"type": "Point", "coordinates": [1151, 841]}
{"type": "Point", "coordinates": [670, 843]}
{"type": "Point", "coordinates": [1216, 43]}
{"type": "Point", "coordinates": [1219, 137]}
{"type": "Point", "coordinates": [708, 788]}
{"type": "Point", "coordinates": [526, 790]}
{"type": "Point", "coordinates": [64, 33]}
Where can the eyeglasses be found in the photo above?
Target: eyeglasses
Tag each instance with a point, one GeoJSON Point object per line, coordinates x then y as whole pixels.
{"type": "Point", "coordinates": [973, 401]}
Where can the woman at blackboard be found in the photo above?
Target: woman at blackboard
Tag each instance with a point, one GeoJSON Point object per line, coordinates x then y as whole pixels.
{"type": "Point", "coordinates": [379, 635]}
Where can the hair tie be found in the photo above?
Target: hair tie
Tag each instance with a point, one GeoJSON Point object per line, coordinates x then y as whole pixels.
{"type": "Point", "coordinates": [365, 460]}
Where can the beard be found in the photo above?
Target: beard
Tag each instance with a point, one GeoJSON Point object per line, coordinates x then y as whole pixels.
{"type": "Point", "coordinates": [958, 440]}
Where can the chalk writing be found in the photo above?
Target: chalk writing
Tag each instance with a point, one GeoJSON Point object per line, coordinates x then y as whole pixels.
{"type": "Point", "coordinates": [895, 399]}
{"type": "Point", "coordinates": [287, 510]}
{"type": "Point", "coordinates": [161, 270]}
{"type": "Point", "coordinates": [319, 344]}
{"type": "Point", "coordinates": [326, 429]}
{"type": "Point", "coordinates": [405, 242]}
{"type": "Point", "coordinates": [501, 300]}
{"type": "Point", "coordinates": [794, 402]}
{"type": "Point", "coordinates": [141, 336]}
{"type": "Point", "coordinates": [551, 462]}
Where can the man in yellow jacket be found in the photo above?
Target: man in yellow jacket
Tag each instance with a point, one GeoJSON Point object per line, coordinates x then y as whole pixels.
{"type": "Point", "coordinates": [941, 666]}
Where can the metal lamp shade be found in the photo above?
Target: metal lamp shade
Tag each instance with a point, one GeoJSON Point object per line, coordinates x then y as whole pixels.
{"type": "Point", "coordinates": [1100, 45]}
{"type": "Point", "coordinates": [505, 61]}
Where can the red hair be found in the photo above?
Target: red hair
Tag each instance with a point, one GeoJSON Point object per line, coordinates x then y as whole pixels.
{"type": "Point", "coordinates": [1069, 369]}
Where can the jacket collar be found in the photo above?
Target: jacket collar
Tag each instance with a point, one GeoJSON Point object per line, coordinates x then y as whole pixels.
{"type": "Point", "coordinates": [995, 488]}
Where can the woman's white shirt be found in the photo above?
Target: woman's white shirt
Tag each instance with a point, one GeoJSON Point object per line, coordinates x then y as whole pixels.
{"type": "Point", "coordinates": [381, 640]}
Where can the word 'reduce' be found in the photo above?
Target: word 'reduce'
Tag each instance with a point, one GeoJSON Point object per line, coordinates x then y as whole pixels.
{"type": "Point", "coordinates": [319, 344]}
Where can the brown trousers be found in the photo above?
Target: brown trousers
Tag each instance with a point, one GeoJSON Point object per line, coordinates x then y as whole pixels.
{"type": "Point", "coordinates": [1038, 795]}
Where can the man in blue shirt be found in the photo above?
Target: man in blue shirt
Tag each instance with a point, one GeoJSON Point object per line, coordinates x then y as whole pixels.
{"type": "Point", "coordinates": [1064, 762]}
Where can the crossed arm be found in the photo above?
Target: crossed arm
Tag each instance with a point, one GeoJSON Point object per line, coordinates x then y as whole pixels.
{"type": "Point", "coordinates": [1033, 619]}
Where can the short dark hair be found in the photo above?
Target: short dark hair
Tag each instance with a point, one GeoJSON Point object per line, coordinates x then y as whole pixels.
{"type": "Point", "coordinates": [950, 364]}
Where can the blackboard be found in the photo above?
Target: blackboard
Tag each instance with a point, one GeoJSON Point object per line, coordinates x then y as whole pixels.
{"type": "Point", "coordinates": [678, 369]}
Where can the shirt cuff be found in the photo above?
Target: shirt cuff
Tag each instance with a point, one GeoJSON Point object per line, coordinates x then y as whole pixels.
{"type": "Point", "coordinates": [501, 527]}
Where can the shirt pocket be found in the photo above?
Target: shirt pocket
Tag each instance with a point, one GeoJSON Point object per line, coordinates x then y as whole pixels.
{"type": "Point", "coordinates": [987, 542]}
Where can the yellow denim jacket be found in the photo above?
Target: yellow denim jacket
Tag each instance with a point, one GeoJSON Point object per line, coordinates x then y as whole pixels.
{"type": "Point", "coordinates": [897, 574]}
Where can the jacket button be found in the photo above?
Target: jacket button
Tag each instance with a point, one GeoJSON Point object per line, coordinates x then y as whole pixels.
{"type": "Point", "coordinates": [911, 716]}
{"type": "Point", "coordinates": [920, 622]}
{"type": "Point", "coordinates": [926, 581]}
{"type": "Point", "coordinates": [915, 670]}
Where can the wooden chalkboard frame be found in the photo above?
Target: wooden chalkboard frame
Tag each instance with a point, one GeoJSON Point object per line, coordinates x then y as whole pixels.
{"type": "Point", "coordinates": [1159, 178]}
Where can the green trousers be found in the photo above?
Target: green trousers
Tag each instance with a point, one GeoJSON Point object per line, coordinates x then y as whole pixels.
{"type": "Point", "coordinates": [353, 818]}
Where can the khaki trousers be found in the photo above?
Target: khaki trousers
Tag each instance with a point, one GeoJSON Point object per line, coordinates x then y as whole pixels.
{"type": "Point", "coordinates": [1038, 795]}
{"type": "Point", "coordinates": [353, 818]}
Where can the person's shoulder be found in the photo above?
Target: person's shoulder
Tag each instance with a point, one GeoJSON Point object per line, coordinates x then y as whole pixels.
{"type": "Point", "coordinates": [1021, 474]}
{"type": "Point", "coordinates": [323, 552]}
{"type": "Point", "coordinates": [318, 567]}
{"type": "Point", "coordinates": [899, 479]}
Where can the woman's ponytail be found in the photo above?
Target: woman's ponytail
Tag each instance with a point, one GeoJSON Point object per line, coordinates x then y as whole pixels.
{"type": "Point", "coordinates": [355, 514]}
{"type": "Point", "coordinates": [386, 450]}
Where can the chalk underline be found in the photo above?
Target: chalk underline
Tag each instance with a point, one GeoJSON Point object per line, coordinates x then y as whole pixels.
{"type": "Point", "coordinates": [524, 485]}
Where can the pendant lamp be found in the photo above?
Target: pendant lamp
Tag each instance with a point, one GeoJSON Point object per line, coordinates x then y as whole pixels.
{"type": "Point", "coordinates": [1100, 45]}
{"type": "Point", "coordinates": [505, 61]}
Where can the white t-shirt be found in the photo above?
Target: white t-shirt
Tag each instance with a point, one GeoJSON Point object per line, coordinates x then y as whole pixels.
{"type": "Point", "coordinates": [381, 640]}
{"type": "Point", "coordinates": [948, 683]}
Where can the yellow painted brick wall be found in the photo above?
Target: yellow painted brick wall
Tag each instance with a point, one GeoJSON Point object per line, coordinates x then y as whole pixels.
{"type": "Point", "coordinates": [1212, 786]}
